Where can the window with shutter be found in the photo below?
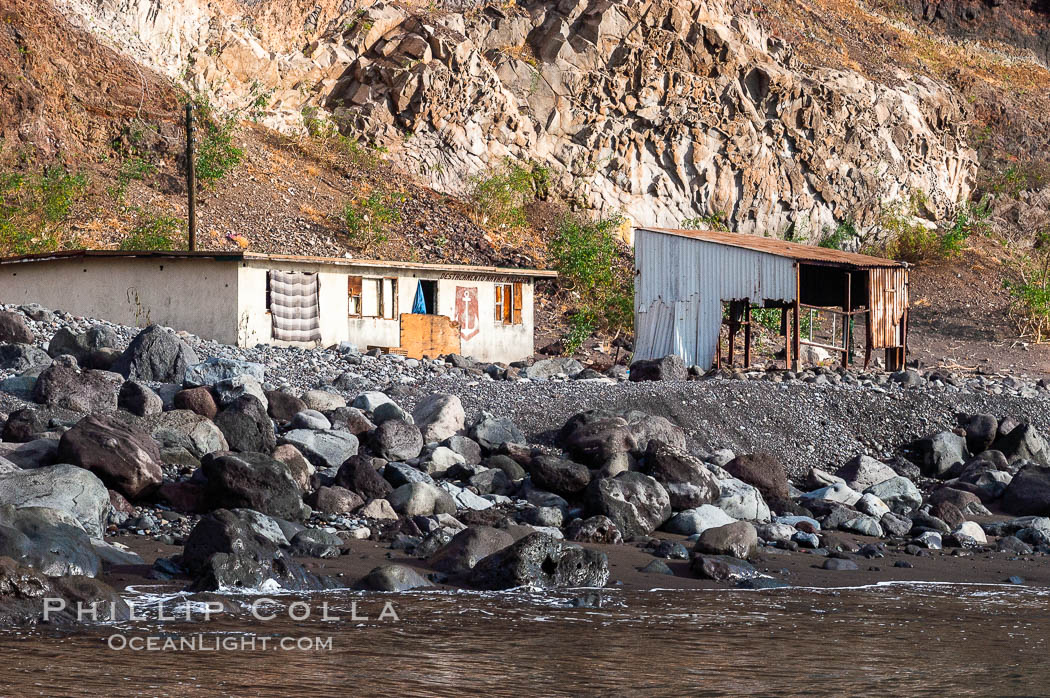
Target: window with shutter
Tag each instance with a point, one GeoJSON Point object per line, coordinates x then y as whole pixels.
{"type": "Point", "coordinates": [353, 292]}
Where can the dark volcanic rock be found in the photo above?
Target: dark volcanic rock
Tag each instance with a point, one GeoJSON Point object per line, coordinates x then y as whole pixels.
{"type": "Point", "coordinates": [396, 440]}
{"type": "Point", "coordinates": [63, 385]}
{"type": "Point", "coordinates": [139, 399]}
{"type": "Point", "coordinates": [283, 406]}
{"type": "Point", "coordinates": [19, 357]}
{"type": "Point", "coordinates": [226, 551]}
{"type": "Point", "coordinates": [1024, 442]}
{"type": "Point", "coordinates": [688, 483]}
{"type": "Point", "coordinates": [359, 475]}
{"type": "Point", "coordinates": [762, 471]}
{"type": "Point", "coordinates": [252, 481]}
{"type": "Point", "coordinates": [246, 426]}
{"type": "Point", "coordinates": [562, 477]}
{"type": "Point", "coordinates": [723, 568]}
{"type": "Point", "coordinates": [737, 539]}
{"type": "Point", "coordinates": [669, 368]}
{"type": "Point", "coordinates": [156, 354]}
{"type": "Point", "coordinates": [597, 438]}
{"type": "Point", "coordinates": [596, 529]}
{"type": "Point", "coordinates": [1029, 491]}
{"type": "Point", "coordinates": [636, 503]}
{"type": "Point", "coordinates": [124, 457]}
{"type": "Point", "coordinates": [13, 328]}
{"type": "Point", "coordinates": [491, 432]}
{"type": "Point", "coordinates": [468, 547]}
{"type": "Point", "coordinates": [542, 561]}
{"type": "Point", "coordinates": [198, 400]}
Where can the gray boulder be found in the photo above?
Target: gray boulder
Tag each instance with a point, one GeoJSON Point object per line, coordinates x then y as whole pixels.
{"type": "Point", "coordinates": [688, 482]}
{"type": "Point", "coordinates": [491, 432]}
{"type": "Point", "coordinates": [325, 449]}
{"type": "Point", "coordinates": [394, 578]}
{"type": "Point", "coordinates": [898, 493]}
{"type": "Point", "coordinates": [66, 488]}
{"type": "Point", "coordinates": [698, 520]}
{"type": "Point", "coordinates": [421, 499]}
{"type": "Point", "coordinates": [636, 503]}
{"type": "Point", "coordinates": [197, 434]}
{"type": "Point", "coordinates": [228, 390]}
{"type": "Point", "coordinates": [546, 369]}
{"type": "Point", "coordinates": [47, 540]}
{"type": "Point", "coordinates": [21, 357]}
{"type": "Point", "coordinates": [562, 477]}
{"type": "Point", "coordinates": [439, 416]}
{"type": "Point", "coordinates": [63, 385]}
{"type": "Point", "coordinates": [1029, 491]}
{"type": "Point", "coordinates": [598, 439]}
{"type": "Point", "coordinates": [155, 354]}
{"type": "Point", "coordinates": [308, 419]}
{"type": "Point", "coordinates": [213, 370]}
{"type": "Point", "coordinates": [467, 548]}
{"type": "Point", "coordinates": [540, 560]}
{"type": "Point", "coordinates": [396, 440]}
{"type": "Point", "coordinates": [738, 539]}
{"type": "Point", "coordinates": [139, 399]}
{"type": "Point", "coordinates": [1024, 442]}
{"type": "Point", "coordinates": [863, 472]}
{"type": "Point", "coordinates": [939, 452]}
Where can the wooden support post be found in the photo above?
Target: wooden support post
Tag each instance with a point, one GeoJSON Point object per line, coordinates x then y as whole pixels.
{"type": "Point", "coordinates": [846, 321]}
{"type": "Point", "coordinates": [747, 336]}
{"type": "Point", "coordinates": [796, 332]}
{"type": "Point", "coordinates": [191, 180]}
{"type": "Point", "coordinates": [732, 340]}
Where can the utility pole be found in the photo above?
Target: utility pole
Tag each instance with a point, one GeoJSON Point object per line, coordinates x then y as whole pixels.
{"type": "Point", "coordinates": [191, 179]}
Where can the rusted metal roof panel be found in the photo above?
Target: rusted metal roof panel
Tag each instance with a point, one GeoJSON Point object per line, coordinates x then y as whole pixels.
{"type": "Point", "coordinates": [781, 248]}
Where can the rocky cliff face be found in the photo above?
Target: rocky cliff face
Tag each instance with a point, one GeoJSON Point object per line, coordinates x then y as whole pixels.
{"type": "Point", "coordinates": [662, 110]}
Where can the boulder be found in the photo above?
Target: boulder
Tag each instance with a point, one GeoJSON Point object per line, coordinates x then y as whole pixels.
{"type": "Point", "coordinates": [228, 551]}
{"type": "Point", "coordinates": [693, 521]}
{"type": "Point", "coordinates": [351, 419]}
{"type": "Point", "coordinates": [741, 501]}
{"type": "Point", "coordinates": [863, 472]}
{"type": "Point", "coordinates": [139, 399]}
{"type": "Point", "coordinates": [123, 456]}
{"type": "Point", "coordinates": [21, 357]}
{"type": "Point", "coordinates": [323, 400]}
{"type": "Point", "coordinates": [939, 452]}
{"type": "Point", "coordinates": [396, 440]}
{"type": "Point", "coordinates": [334, 500]}
{"type": "Point", "coordinates": [308, 419]}
{"type": "Point", "coordinates": [359, 475]}
{"type": "Point", "coordinates": [246, 426]}
{"type": "Point", "coordinates": [197, 400]}
{"type": "Point", "coordinates": [325, 449]}
{"type": "Point", "coordinates": [492, 481]}
{"type": "Point", "coordinates": [48, 540]}
{"type": "Point", "coordinates": [647, 428]}
{"type": "Point", "coordinates": [898, 493]}
{"type": "Point", "coordinates": [669, 368]}
{"type": "Point", "coordinates": [157, 355]}
{"type": "Point", "coordinates": [763, 472]}
{"type": "Point", "coordinates": [421, 499]}
{"type": "Point", "coordinates": [282, 406]}
{"type": "Point", "coordinates": [85, 347]}
{"type": "Point", "coordinates": [211, 371]}
{"type": "Point", "coordinates": [872, 506]}
{"type": "Point", "coordinates": [688, 482]}
{"type": "Point", "coordinates": [540, 560]}
{"type": "Point", "coordinates": [439, 416]}
{"type": "Point", "coordinates": [193, 432]}
{"type": "Point", "coordinates": [26, 425]}
{"type": "Point", "coordinates": [562, 477]}
{"type": "Point", "coordinates": [394, 578]}
{"type": "Point", "coordinates": [64, 385]}
{"type": "Point", "coordinates": [835, 493]}
{"type": "Point", "coordinates": [251, 481]}
{"type": "Point", "coordinates": [378, 509]}
{"type": "Point", "coordinates": [1024, 442]}
{"type": "Point", "coordinates": [13, 328]}
{"type": "Point", "coordinates": [636, 503]}
{"type": "Point", "coordinates": [32, 454]}
{"type": "Point", "coordinates": [546, 369]}
{"type": "Point", "coordinates": [1029, 491]}
{"type": "Point", "coordinates": [467, 548]}
{"type": "Point", "coordinates": [596, 529]}
{"type": "Point", "coordinates": [300, 468]}
{"type": "Point", "coordinates": [314, 542]}
{"type": "Point", "coordinates": [369, 401]}
{"type": "Point", "coordinates": [981, 430]}
{"type": "Point", "coordinates": [226, 391]}
{"type": "Point", "coordinates": [723, 568]}
{"type": "Point", "coordinates": [491, 432]}
{"type": "Point", "coordinates": [598, 439]}
{"type": "Point", "coordinates": [738, 539]}
{"type": "Point", "coordinates": [66, 488]}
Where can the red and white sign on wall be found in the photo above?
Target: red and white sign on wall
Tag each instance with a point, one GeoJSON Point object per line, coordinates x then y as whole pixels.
{"type": "Point", "coordinates": [467, 311]}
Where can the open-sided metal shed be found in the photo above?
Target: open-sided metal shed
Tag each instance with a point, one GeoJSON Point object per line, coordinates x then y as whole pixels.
{"type": "Point", "coordinates": [689, 283]}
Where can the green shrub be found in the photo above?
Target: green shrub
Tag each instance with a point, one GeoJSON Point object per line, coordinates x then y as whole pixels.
{"type": "Point", "coordinates": [716, 221]}
{"type": "Point", "coordinates": [1031, 294]}
{"type": "Point", "coordinates": [368, 220]}
{"type": "Point", "coordinates": [34, 208]}
{"type": "Point", "coordinates": [216, 153]}
{"type": "Point", "coordinates": [155, 231]}
{"type": "Point", "coordinates": [134, 168]}
{"type": "Point", "coordinates": [498, 197]}
{"type": "Point", "coordinates": [839, 238]}
{"type": "Point", "coordinates": [910, 240]}
{"type": "Point", "coordinates": [589, 260]}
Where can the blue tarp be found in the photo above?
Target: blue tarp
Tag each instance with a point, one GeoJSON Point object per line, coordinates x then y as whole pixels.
{"type": "Point", "coordinates": [419, 306]}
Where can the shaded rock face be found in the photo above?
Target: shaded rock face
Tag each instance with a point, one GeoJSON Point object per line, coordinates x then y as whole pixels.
{"type": "Point", "coordinates": [763, 472]}
{"type": "Point", "coordinates": [48, 540]}
{"type": "Point", "coordinates": [669, 368]}
{"type": "Point", "coordinates": [66, 488]}
{"type": "Point", "coordinates": [24, 589]}
{"type": "Point", "coordinates": [246, 426]}
{"type": "Point", "coordinates": [688, 483]}
{"type": "Point", "coordinates": [562, 477]}
{"type": "Point", "coordinates": [123, 456]}
{"type": "Point", "coordinates": [636, 503]}
{"type": "Point", "coordinates": [13, 328]}
{"type": "Point", "coordinates": [358, 475]}
{"type": "Point", "coordinates": [90, 391]}
{"type": "Point", "coordinates": [597, 438]}
{"type": "Point", "coordinates": [251, 481]}
{"type": "Point", "coordinates": [394, 578]}
{"type": "Point", "coordinates": [226, 551]}
{"type": "Point", "coordinates": [468, 547]}
{"type": "Point", "coordinates": [540, 560]}
{"type": "Point", "coordinates": [1029, 492]}
{"type": "Point", "coordinates": [156, 354]}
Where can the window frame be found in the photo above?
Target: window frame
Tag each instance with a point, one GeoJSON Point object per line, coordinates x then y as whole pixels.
{"type": "Point", "coordinates": [507, 303]}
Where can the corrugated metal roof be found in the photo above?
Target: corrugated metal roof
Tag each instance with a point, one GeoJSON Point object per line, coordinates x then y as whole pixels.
{"type": "Point", "coordinates": [238, 256]}
{"type": "Point", "coordinates": [781, 248]}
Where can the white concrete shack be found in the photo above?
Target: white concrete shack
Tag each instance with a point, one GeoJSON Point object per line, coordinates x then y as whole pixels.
{"type": "Point", "coordinates": [245, 298]}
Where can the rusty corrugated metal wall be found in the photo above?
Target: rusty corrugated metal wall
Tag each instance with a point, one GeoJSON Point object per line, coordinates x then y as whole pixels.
{"type": "Point", "coordinates": [680, 285]}
{"type": "Point", "coordinates": [888, 302]}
